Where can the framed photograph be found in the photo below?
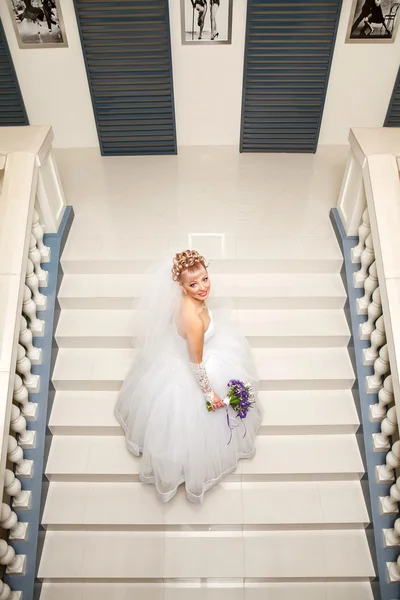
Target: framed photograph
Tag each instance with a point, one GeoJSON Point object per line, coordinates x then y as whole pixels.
{"type": "Point", "coordinates": [373, 21]}
{"type": "Point", "coordinates": [38, 23]}
{"type": "Point", "coordinates": [206, 21]}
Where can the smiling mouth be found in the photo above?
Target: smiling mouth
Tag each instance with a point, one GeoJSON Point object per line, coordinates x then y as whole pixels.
{"type": "Point", "coordinates": [202, 294]}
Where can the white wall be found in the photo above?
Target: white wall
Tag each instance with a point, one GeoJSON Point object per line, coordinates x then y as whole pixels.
{"type": "Point", "coordinates": [360, 84]}
{"type": "Point", "coordinates": [54, 84]}
{"type": "Point", "coordinates": [208, 83]}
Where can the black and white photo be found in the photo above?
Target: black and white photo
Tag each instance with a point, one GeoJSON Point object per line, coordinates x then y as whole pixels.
{"type": "Point", "coordinates": [206, 21]}
{"type": "Point", "coordinates": [38, 23]}
{"type": "Point", "coordinates": [373, 21]}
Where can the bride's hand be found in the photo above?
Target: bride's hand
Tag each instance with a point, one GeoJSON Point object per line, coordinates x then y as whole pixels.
{"type": "Point", "coordinates": [217, 402]}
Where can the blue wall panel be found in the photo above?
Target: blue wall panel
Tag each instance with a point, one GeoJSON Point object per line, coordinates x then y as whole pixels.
{"type": "Point", "coordinates": [12, 109]}
{"type": "Point", "coordinates": [127, 50]}
{"type": "Point", "coordinates": [393, 114]}
{"type": "Point", "coordinates": [288, 55]}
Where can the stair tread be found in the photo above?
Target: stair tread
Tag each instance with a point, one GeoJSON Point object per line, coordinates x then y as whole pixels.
{"type": "Point", "coordinates": [281, 409]}
{"type": "Point", "coordinates": [282, 364]}
{"type": "Point", "coordinates": [230, 590]}
{"type": "Point", "coordinates": [317, 503]}
{"type": "Point", "coordinates": [276, 456]}
{"type": "Point", "coordinates": [119, 323]}
{"type": "Point", "coordinates": [178, 554]}
{"type": "Point", "coordinates": [224, 285]}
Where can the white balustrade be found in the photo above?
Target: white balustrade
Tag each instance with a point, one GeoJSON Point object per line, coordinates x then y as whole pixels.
{"type": "Point", "coordinates": [374, 312]}
{"type": "Point", "coordinates": [394, 571]}
{"type": "Point", "coordinates": [381, 368]}
{"type": "Point", "coordinates": [385, 473]}
{"type": "Point", "coordinates": [9, 520]}
{"type": "Point", "coordinates": [392, 536]}
{"type": "Point", "coordinates": [12, 487]}
{"type": "Point", "coordinates": [370, 285]}
{"type": "Point", "coordinates": [29, 409]}
{"type": "Point", "coordinates": [367, 258]}
{"type": "Point", "coordinates": [15, 454]}
{"type": "Point", "coordinates": [388, 428]}
{"type": "Point", "coordinates": [390, 504]}
{"type": "Point", "coordinates": [35, 258]}
{"type": "Point", "coordinates": [38, 232]}
{"type": "Point", "coordinates": [363, 232]}
{"type": "Point", "coordinates": [26, 339]}
{"type": "Point", "coordinates": [23, 368]}
{"type": "Point", "coordinates": [26, 439]}
{"type": "Point", "coordinates": [32, 281]}
{"type": "Point", "coordinates": [29, 309]}
{"type": "Point", "coordinates": [385, 398]}
{"type": "Point", "coordinates": [15, 562]}
{"type": "Point", "coordinates": [378, 339]}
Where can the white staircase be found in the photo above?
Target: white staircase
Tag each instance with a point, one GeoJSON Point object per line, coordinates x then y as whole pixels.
{"type": "Point", "coordinates": [290, 523]}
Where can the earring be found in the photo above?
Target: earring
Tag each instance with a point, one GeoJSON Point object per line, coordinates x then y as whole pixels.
{"type": "Point", "coordinates": [185, 292]}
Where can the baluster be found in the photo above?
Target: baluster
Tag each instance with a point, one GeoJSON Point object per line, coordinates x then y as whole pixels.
{"type": "Point", "coordinates": [15, 562]}
{"type": "Point", "coordinates": [390, 504]}
{"type": "Point", "coordinates": [378, 339]}
{"type": "Point", "coordinates": [9, 520]}
{"type": "Point", "coordinates": [381, 368]}
{"type": "Point", "coordinates": [37, 231]}
{"type": "Point", "coordinates": [7, 594]}
{"type": "Point", "coordinates": [370, 285]}
{"type": "Point", "coordinates": [12, 487]}
{"type": "Point", "coordinates": [363, 232]}
{"type": "Point", "coordinates": [16, 455]}
{"type": "Point", "coordinates": [385, 396]}
{"type": "Point", "coordinates": [26, 439]}
{"type": "Point", "coordinates": [21, 396]}
{"type": "Point", "coordinates": [29, 309]}
{"type": "Point", "coordinates": [385, 473]}
{"type": "Point", "coordinates": [388, 427]}
{"type": "Point", "coordinates": [392, 536]}
{"type": "Point", "coordinates": [25, 338]}
{"type": "Point", "coordinates": [374, 312]}
{"type": "Point", "coordinates": [367, 258]}
{"type": "Point", "coordinates": [393, 570]}
{"type": "Point", "coordinates": [23, 368]}
{"type": "Point", "coordinates": [35, 257]}
{"type": "Point", "coordinates": [33, 284]}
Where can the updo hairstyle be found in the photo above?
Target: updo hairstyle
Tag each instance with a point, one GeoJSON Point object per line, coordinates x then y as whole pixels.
{"type": "Point", "coordinates": [189, 260]}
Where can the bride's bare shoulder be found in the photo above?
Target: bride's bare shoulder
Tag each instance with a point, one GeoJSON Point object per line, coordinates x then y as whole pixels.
{"type": "Point", "coordinates": [189, 318]}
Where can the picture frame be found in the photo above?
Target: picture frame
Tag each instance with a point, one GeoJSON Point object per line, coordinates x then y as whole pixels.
{"type": "Point", "coordinates": [38, 23]}
{"type": "Point", "coordinates": [373, 22]}
{"type": "Point", "coordinates": [205, 22]}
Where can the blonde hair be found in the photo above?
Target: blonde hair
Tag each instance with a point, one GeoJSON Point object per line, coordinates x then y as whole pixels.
{"type": "Point", "coordinates": [189, 260]}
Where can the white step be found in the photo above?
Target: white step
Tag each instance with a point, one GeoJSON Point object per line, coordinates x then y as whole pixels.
{"type": "Point", "coordinates": [279, 368]}
{"type": "Point", "coordinates": [229, 590]}
{"type": "Point", "coordinates": [247, 290]}
{"type": "Point", "coordinates": [263, 328]}
{"type": "Point", "coordinates": [293, 264]}
{"type": "Point", "coordinates": [130, 505]}
{"type": "Point", "coordinates": [185, 554]}
{"type": "Point", "coordinates": [284, 412]}
{"type": "Point", "coordinates": [284, 458]}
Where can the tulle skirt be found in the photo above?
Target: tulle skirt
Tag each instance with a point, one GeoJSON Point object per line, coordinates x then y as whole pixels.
{"type": "Point", "coordinates": [163, 413]}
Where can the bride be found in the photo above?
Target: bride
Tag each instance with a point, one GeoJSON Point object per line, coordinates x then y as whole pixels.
{"type": "Point", "coordinates": [186, 357]}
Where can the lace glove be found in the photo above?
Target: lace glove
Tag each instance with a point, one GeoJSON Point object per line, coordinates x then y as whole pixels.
{"type": "Point", "coordinates": [202, 379]}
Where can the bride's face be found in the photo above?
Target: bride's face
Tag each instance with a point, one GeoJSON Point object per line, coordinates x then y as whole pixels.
{"type": "Point", "coordinates": [196, 284]}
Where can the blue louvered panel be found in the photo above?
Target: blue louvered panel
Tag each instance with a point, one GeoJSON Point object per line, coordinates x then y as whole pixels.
{"type": "Point", "coordinates": [288, 54]}
{"type": "Point", "coordinates": [393, 114]}
{"type": "Point", "coordinates": [127, 50]}
{"type": "Point", "coordinates": [12, 108]}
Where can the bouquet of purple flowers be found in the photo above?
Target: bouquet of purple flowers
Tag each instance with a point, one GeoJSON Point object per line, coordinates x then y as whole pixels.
{"type": "Point", "coordinates": [241, 398]}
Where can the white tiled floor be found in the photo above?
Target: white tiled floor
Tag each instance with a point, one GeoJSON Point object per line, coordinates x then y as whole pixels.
{"type": "Point", "coordinates": [265, 205]}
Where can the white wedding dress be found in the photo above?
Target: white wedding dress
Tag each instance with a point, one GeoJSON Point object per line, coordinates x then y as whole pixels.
{"type": "Point", "coordinates": [163, 410]}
